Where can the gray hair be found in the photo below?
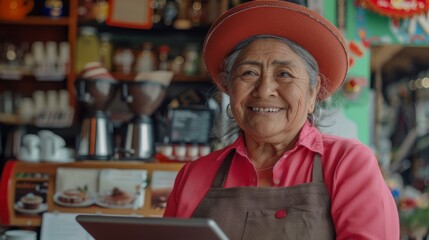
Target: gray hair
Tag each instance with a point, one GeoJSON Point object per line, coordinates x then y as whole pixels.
{"type": "Point", "coordinates": [310, 65]}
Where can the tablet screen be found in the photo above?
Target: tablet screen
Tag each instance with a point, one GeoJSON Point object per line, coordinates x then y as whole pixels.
{"type": "Point", "coordinates": [103, 227]}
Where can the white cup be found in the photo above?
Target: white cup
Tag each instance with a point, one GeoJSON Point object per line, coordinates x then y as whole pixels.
{"type": "Point", "coordinates": [180, 151]}
{"type": "Point", "coordinates": [26, 109]}
{"type": "Point", "coordinates": [20, 235]}
{"type": "Point", "coordinates": [63, 100]}
{"type": "Point", "coordinates": [39, 102]}
{"type": "Point", "coordinates": [166, 150]}
{"type": "Point", "coordinates": [193, 151]}
{"type": "Point", "coordinates": [52, 100]}
{"type": "Point", "coordinates": [50, 144]}
{"type": "Point", "coordinates": [204, 150]}
{"type": "Point", "coordinates": [64, 155]}
{"type": "Point", "coordinates": [30, 148]}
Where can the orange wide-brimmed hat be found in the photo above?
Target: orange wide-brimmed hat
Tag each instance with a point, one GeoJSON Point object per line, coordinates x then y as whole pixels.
{"type": "Point", "coordinates": [284, 19]}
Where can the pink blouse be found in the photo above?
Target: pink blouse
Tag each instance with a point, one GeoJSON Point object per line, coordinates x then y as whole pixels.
{"type": "Point", "coordinates": [362, 206]}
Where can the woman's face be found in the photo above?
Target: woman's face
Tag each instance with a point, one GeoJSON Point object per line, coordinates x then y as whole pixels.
{"type": "Point", "coordinates": [270, 91]}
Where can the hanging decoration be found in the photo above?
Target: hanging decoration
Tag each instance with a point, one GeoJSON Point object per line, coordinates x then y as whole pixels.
{"type": "Point", "coordinates": [396, 8]}
{"type": "Point", "coordinates": [356, 50]}
{"type": "Point", "coordinates": [353, 87]}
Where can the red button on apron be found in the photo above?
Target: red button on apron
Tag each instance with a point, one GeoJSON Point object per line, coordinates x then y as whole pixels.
{"type": "Point", "coordinates": [280, 213]}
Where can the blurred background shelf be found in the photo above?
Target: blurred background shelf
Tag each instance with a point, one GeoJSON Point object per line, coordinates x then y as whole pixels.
{"type": "Point", "coordinates": [39, 20]}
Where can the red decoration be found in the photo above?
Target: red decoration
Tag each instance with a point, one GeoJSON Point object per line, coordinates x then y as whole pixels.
{"type": "Point", "coordinates": [397, 8]}
{"type": "Point", "coordinates": [352, 87]}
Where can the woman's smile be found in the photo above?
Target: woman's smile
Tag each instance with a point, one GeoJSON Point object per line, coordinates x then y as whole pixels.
{"type": "Point", "coordinates": [266, 109]}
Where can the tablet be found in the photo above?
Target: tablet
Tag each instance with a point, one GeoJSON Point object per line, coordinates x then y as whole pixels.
{"type": "Point", "coordinates": [106, 227]}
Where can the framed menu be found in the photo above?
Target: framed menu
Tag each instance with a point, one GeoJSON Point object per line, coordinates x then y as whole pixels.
{"type": "Point", "coordinates": [139, 15]}
{"type": "Point", "coordinates": [190, 125]}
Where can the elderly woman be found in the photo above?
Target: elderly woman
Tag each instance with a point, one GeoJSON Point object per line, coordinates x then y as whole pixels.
{"type": "Point", "coordinates": [282, 178]}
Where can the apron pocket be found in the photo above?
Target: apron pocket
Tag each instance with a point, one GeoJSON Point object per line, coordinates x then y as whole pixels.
{"type": "Point", "coordinates": [312, 225]}
{"type": "Point", "coordinates": [263, 224]}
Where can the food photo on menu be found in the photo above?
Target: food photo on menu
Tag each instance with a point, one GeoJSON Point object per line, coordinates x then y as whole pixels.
{"type": "Point", "coordinates": [161, 185]}
{"type": "Point", "coordinates": [30, 197]}
{"type": "Point", "coordinates": [74, 197]}
{"type": "Point", "coordinates": [116, 198]}
{"type": "Point", "coordinates": [123, 188]}
{"type": "Point", "coordinates": [76, 187]}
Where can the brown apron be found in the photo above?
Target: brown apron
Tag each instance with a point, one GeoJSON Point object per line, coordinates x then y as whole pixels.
{"type": "Point", "coordinates": [296, 212]}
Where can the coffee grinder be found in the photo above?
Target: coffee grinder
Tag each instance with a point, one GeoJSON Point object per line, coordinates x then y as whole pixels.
{"type": "Point", "coordinates": [96, 89]}
{"type": "Point", "coordinates": [143, 96]}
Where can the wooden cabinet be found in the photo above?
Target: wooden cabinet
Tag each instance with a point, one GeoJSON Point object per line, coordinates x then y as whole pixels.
{"type": "Point", "coordinates": [20, 178]}
{"type": "Point", "coordinates": [22, 33]}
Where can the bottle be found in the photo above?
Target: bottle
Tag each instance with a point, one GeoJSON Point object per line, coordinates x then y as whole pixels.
{"type": "Point", "coordinates": [195, 12]}
{"type": "Point", "coordinates": [87, 47]}
{"type": "Point", "coordinates": [101, 10]}
{"type": "Point", "coordinates": [191, 64]}
{"type": "Point", "coordinates": [106, 49]}
{"type": "Point", "coordinates": [123, 59]}
{"type": "Point", "coordinates": [53, 8]}
{"type": "Point", "coordinates": [85, 10]}
{"type": "Point", "coordinates": [146, 59]}
{"type": "Point", "coordinates": [163, 57]}
{"type": "Point", "coordinates": [170, 12]}
{"type": "Point", "coordinates": [158, 11]}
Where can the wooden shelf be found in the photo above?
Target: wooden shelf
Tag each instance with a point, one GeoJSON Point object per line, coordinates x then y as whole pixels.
{"type": "Point", "coordinates": [39, 20]}
{"type": "Point", "coordinates": [176, 77]}
{"type": "Point", "coordinates": [28, 84]}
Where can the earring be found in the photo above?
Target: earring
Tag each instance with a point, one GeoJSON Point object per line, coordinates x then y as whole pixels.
{"type": "Point", "coordinates": [229, 112]}
{"type": "Point", "coordinates": [315, 117]}
{"type": "Point", "coordinates": [312, 118]}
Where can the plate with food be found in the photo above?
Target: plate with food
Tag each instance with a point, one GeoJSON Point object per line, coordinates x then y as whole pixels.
{"type": "Point", "coordinates": [116, 198]}
{"type": "Point", "coordinates": [76, 197]}
{"type": "Point", "coordinates": [31, 204]}
{"type": "Point", "coordinates": [19, 206]}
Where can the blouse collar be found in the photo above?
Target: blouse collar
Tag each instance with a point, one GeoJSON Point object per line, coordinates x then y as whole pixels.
{"type": "Point", "coordinates": [309, 137]}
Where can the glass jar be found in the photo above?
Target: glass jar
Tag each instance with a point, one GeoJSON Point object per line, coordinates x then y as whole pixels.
{"type": "Point", "coordinates": [146, 59]}
{"type": "Point", "coordinates": [106, 50]}
{"type": "Point", "coordinates": [87, 47]}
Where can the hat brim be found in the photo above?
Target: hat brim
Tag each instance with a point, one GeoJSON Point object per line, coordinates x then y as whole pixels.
{"type": "Point", "coordinates": [279, 18]}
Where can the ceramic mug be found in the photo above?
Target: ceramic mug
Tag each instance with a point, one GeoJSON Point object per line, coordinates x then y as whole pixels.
{"type": "Point", "coordinates": [30, 148]}
{"type": "Point", "coordinates": [20, 235]}
{"type": "Point", "coordinates": [15, 9]}
{"type": "Point", "coordinates": [50, 145]}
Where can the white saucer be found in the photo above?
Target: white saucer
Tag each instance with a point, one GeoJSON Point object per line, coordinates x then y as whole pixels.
{"type": "Point", "coordinates": [19, 206]}
{"type": "Point", "coordinates": [102, 203]}
{"type": "Point", "coordinates": [88, 202]}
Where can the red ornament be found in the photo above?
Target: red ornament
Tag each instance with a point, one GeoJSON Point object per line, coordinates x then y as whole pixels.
{"type": "Point", "coordinates": [397, 8]}
{"type": "Point", "coordinates": [352, 87]}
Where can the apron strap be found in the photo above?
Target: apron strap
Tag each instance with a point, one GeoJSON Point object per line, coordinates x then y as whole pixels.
{"type": "Point", "coordinates": [220, 178]}
{"type": "Point", "coordinates": [317, 170]}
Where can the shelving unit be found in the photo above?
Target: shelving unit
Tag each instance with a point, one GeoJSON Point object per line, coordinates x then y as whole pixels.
{"type": "Point", "coordinates": [41, 28]}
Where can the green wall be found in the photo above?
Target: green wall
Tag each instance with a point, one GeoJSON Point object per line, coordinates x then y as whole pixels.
{"type": "Point", "coordinates": [357, 108]}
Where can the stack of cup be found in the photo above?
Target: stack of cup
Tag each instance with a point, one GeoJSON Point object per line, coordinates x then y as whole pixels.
{"type": "Point", "coordinates": [20, 235]}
